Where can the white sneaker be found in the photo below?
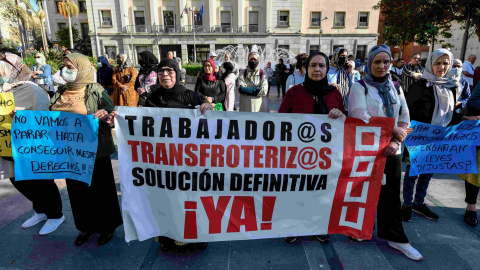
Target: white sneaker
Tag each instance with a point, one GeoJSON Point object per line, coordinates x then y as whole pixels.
{"type": "Point", "coordinates": [51, 225]}
{"type": "Point", "coordinates": [406, 249]}
{"type": "Point", "coordinates": [34, 220]}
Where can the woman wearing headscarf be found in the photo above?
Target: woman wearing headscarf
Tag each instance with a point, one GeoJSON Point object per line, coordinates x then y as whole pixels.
{"type": "Point", "coordinates": [352, 73]}
{"type": "Point", "coordinates": [44, 194]}
{"type": "Point", "coordinates": [229, 78]}
{"type": "Point", "coordinates": [228, 58]}
{"type": "Point", "coordinates": [472, 180]}
{"type": "Point", "coordinates": [338, 74]}
{"type": "Point", "coordinates": [299, 75]}
{"type": "Point", "coordinates": [280, 72]}
{"type": "Point", "coordinates": [314, 96]}
{"type": "Point", "coordinates": [170, 93]}
{"type": "Point", "coordinates": [253, 87]}
{"type": "Point", "coordinates": [147, 77]}
{"type": "Point", "coordinates": [42, 74]}
{"type": "Point", "coordinates": [377, 96]}
{"type": "Point", "coordinates": [269, 72]}
{"type": "Point", "coordinates": [430, 100]}
{"type": "Point", "coordinates": [104, 74]}
{"type": "Point", "coordinates": [208, 88]}
{"type": "Point", "coordinates": [95, 208]}
{"type": "Point", "coordinates": [123, 80]}
{"type": "Point", "coordinates": [454, 74]}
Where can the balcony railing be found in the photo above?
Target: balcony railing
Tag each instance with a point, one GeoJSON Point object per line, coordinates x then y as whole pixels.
{"type": "Point", "coordinates": [199, 29]}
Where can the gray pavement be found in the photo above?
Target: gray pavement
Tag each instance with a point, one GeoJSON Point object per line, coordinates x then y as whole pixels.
{"type": "Point", "coordinates": [448, 243]}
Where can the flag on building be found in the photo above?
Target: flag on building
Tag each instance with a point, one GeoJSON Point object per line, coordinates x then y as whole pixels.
{"type": "Point", "coordinates": [184, 11]}
{"type": "Point", "coordinates": [200, 14]}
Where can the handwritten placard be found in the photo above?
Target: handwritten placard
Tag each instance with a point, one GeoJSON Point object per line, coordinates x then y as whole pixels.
{"type": "Point", "coordinates": [450, 150]}
{"type": "Point", "coordinates": [54, 145]}
{"type": "Point", "coordinates": [7, 105]}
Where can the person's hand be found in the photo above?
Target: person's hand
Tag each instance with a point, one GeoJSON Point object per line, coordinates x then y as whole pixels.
{"type": "Point", "coordinates": [12, 114]}
{"type": "Point", "coordinates": [205, 107]}
{"type": "Point", "coordinates": [102, 115]}
{"type": "Point", "coordinates": [458, 104]}
{"type": "Point", "coordinates": [409, 130]}
{"type": "Point", "coordinates": [335, 113]}
{"type": "Point", "coordinates": [209, 99]}
{"type": "Point", "coordinates": [391, 149]}
{"type": "Point", "coordinates": [417, 76]}
{"type": "Point", "coordinates": [334, 84]}
{"type": "Point", "coordinates": [123, 88]}
{"type": "Point", "coordinates": [399, 133]}
{"type": "Point", "coordinates": [39, 72]}
{"type": "Point", "coordinates": [34, 76]}
{"type": "Point", "coordinates": [141, 91]}
{"type": "Point", "coordinates": [470, 118]}
{"type": "Point", "coordinates": [111, 118]}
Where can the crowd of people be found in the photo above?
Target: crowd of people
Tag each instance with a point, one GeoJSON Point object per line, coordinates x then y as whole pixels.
{"type": "Point", "coordinates": [441, 93]}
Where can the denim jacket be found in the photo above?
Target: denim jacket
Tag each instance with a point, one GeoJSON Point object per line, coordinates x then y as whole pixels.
{"type": "Point", "coordinates": [46, 75]}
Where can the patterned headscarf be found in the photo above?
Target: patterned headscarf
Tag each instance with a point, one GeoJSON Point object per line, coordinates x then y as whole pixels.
{"type": "Point", "coordinates": [85, 73]}
{"type": "Point", "coordinates": [336, 56]}
{"type": "Point", "coordinates": [17, 70]}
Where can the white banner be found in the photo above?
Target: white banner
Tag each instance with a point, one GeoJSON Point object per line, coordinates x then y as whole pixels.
{"type": "Point", "coordinates": [233, 176]}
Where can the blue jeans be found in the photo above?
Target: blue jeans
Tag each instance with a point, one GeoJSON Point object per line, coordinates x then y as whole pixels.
{"type": "Point", "coordinates": [408, 185]}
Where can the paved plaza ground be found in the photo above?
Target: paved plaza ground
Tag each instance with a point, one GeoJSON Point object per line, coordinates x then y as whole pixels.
{"type": "Point", "coordinates": [448, 243]}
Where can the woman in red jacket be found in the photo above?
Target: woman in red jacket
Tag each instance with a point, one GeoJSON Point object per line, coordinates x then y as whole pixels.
{"type": "Point", "coordinates": [315, 96]}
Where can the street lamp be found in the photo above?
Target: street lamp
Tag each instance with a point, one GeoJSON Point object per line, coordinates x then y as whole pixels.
{"type": "Point", "coordinates": [131, 39]}
{"type": "Point", "coordinates": [320, 34]}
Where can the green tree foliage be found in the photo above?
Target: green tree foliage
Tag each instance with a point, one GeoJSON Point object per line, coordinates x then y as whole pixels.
{"type": "Point", "coordinates": [63, 36]}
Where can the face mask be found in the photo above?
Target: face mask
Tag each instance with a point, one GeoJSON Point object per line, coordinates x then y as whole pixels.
{"type": "Point", "coordinates": [99, 64]}
{"type": "Point", "coordinates": [342, 61]}
{"type": "Point", "coordinates": [68, 75]}
{"type": "Point", "coordinates": [38, 60]}
{"type": "Point", "coordinates": [455, 72]}
{"type": "Point", "coordinates": [3, 80]}
{"type": "Point", "coordinates": [119, 61]}
{"type": "Point", "coordinates": [141, 62]}
{"type": "Point", "coordinates": [253, 64]}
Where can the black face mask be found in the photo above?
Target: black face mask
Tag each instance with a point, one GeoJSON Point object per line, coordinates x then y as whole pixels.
{"type": "Point", "coordinates": [253, 64]}
{"type": "Point", "coordinates": [119, 61]}
{"type": "Point", "coordinates": [342, 61]}
{"type": "Point", "coordinates": [141, 62]}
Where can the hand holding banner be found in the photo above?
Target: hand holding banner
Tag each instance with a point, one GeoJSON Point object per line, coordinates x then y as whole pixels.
{"type": "Point", "coordinates": [54, 145]}
{"type": "Point", "coordinates": [450, 150]}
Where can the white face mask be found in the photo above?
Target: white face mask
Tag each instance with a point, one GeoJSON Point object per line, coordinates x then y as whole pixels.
{"type": "Point", "coordinates": [455, 72]}
{"type": "Point", "coordinates": [68, 75]}
{"type": "Point", "coordinates": [99, 64]}
{"type": "Point", "coordinates": [38, 60]}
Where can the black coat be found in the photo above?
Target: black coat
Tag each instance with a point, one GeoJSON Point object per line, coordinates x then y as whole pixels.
{"type": "Point", "coordinates": [205, 88]}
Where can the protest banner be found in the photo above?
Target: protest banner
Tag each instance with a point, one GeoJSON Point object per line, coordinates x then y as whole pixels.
{"type": "Point", "coordinates": [235, 176]}
{"type": "Point", "coordinates": [54, 145]}
{"type": "Point", "coordinates": [450, 150]}
{"type": "Point", "coordinates": [7, 105]}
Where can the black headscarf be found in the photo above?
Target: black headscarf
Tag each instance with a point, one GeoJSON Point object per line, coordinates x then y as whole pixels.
{"type": "Point", "coordinates": [228, 70]}
{"type": "Point", "coordinates": [177, 90]}
{"type": "Point", "coordinates": [318, 89]}
{"type": "Point", "coordinates": [150, 62]}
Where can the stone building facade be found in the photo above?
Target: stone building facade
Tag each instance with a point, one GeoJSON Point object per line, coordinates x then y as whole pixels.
{"type": "Point", "coordinates": [131, 26]}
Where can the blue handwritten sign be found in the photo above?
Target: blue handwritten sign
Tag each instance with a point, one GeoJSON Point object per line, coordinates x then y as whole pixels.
{"type": "Point", "coordinates": [450, 150]}
{"type": "Point", "coordinates": [54, 145]}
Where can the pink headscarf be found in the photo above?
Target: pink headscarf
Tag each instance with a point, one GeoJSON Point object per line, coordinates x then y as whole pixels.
{"type": "Point", "coordinates": [210, 76]}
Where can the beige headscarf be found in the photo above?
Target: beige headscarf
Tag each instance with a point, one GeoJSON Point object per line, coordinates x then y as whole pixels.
{"type": "Point", "coordinates": [42, 63]}
{"type": "Point", "coordinates": [16, 69]}
{"type": "Point", "coordinates": [85, 73]}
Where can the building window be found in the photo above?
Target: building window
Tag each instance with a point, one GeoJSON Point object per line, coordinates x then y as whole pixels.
{"type": "Point", "coordinates": [315, 21]}
{"type": "Point", "coordinates": [62, 25]}
{"type": "Point", "coordinates": [283, 18]}
{"type": "Point", "coordinates": [225, 21]}
{"type": "Point", "coordinates": [85, 30]}
{"type": "Point", "coordinates": [168, 18]}
{"type": "Point", "coordinates": [361, 52]}
{"type": "Point", "coordinates": [57, 8]}
{"type": "Point", "coordinates": [313, 48]}
{"type": "Point", "coordinates": [253, 21]}
{"type": "Point", "coordinates": [339, 19]}
{"type": "Point", "coordinates": [82, 6]}
{"type": "Point", "coordinates": [139, 17]}
{"type": "Point", "coordinates": [111, 51]}
{"type": "Point", "coordinates": [202, 52]}
{"type": "Point", "coordinates": [106, 18]}
{"type": "Point", "coordinates": [363, 19]}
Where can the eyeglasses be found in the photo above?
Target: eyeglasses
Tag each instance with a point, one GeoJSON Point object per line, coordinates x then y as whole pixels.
{"type": "Point", "coordinates": [170, 71]}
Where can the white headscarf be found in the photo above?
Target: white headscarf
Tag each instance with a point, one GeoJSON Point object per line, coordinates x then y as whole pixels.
{"type": "Point", "coordinates": [444, 99]}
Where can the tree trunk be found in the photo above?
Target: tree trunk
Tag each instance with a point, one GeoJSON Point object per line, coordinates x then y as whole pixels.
{"type": "Point", "coordinates": [465, 38]}
{"type": "Point", "coordinates": [70, 31]}
{"type": "Point", "coordinates": [44, 37]}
